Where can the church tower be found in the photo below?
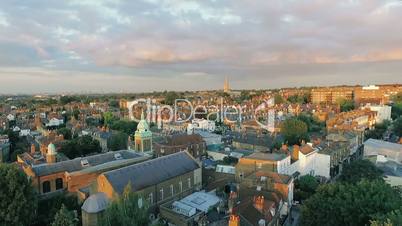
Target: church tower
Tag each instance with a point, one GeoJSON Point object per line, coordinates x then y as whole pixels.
{"type": "Point", "coordinates": [226, 87]}
{"type": "Point", "coordinates": [143, 136]}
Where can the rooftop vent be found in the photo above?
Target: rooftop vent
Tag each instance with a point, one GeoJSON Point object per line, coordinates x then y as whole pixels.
{"type": "Point", "coordinates": [84, 162]}
{"type": "Point", "coordinates": [118, 156]}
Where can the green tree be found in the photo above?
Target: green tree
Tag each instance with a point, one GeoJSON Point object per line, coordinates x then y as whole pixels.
{"type": "Point", "coordinates": [278, 99]}
{"type": "Point", "coordinates": [64, 217]}
{"type": "Point", "coordinates": [313, 125]}
{"type": "Point", "coordinates": [18, 199]}
{"type": "Point", "coordinates": [358, 170]}
{"type": "Point", "coordinates": [397, 127]}
{"type": "Point", "coordinates": [392, 218]}
{"type": "Point", "coordinates": [65, 132]}
{"type": "Point", "coordinates": [349, 204]}
{"type": "Point", "coordinates": [76, 113]}
{"type": "Point", "coordinates": [378, 131]}
{"type": "Point", "coordinates": [346, 105]}
{"type": "Point", "coordinates": [48, 208]}
{"type": "Point", "coordinates": [396, 110]}
{"type": "Point", "coordinates": [294, 131]}
{"type": "Point", "coordinates": [108, 118]}
{"type": "Point", "coordinates": [118, 141]}
{"type": "Point", "coordinates": [128, 209]}
{"type": "Point", "coordinates": [305, 187]}
{"type": "Point", "coordinates": [170, 97]}
{"type": "Point", "coordinates": [80, 146]}
{"type": "Point", "coordinates": [127, 127]}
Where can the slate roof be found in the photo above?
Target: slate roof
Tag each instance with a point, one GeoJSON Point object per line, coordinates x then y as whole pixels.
{"type": "Point", "coordinates": [267, 156]}
{"type": "Point", "coordinates": [95, 203]}
{"type": "Point", "coordinates": [151, 172]}
{"type": "Point", "coordinates": [75, 164]}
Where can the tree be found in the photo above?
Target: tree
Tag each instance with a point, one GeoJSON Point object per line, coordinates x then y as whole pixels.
{"type": "Point", "coordinates": [64, 217]}
{"type": "Point", "coordinates": [170, 97]}
{"type": "Point", "coordinates": [313, 125]}
{"type": "Point", "coordinates": [349, 204]}
{"type": "Point", "coordinates": [108, 118]}
{"type": "Point", "coordinates": [278, 99]}
{"type": "Point", "coordinates": [378, 131]}
{"type": "Point", "coordinates": [396, 110]}
{"type": "Point", "coordinates": [294, 131]}
{"type": "Point", "coordinates": [358, 170]}
{"type": "Point", "coordinates": [118, 141]}
{"type": "Point", "coordinates": [305, 187]}
{"type": "Point", "coordinates": [397, 127]}
{"type": "Point", "coordinates": [128, 209]}
{"type": "Point", "coordinates": [48, 208]}
{"type": "Point", "coordinates": [18, 199]}
{"type": "Point", "coordinates": [65, 132]}
{"type": "Point", "coordinates": [80, 146]}
{"type": "Point", "coordinates": [127, 127]}
{"type": "Point", "coordinates": [392, 218]}
{"type": "Point", "coordinates": [345, 104]}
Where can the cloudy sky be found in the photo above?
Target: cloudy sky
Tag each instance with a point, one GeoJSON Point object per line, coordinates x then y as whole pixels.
{"type": "Point", "coordinates": [145, 45]}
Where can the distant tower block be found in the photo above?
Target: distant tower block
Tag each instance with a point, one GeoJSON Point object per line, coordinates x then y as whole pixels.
{"type": "Point", "coordinates": [226, 87]}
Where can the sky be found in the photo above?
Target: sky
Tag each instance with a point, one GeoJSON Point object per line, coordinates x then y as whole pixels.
{"type": "Point", "coordinates": [151, 45]}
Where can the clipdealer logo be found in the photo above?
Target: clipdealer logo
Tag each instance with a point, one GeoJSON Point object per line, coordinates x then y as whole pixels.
{"type": "Point", "coordinates": [183, 111]}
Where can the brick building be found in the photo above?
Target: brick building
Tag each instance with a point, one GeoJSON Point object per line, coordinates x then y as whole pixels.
{"type": "Point", "coordinates": [192, 143]}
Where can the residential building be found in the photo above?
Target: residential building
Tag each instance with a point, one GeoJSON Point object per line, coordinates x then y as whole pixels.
{"type": "Point", "coordinates": [51, 174]}
{"type": "Point", "coordinates": [158, 181]}
{"type": "Point", "coordinates": [331, 95]}
{"type": "Point", "coordinates": [4, 148]}
{"type": "Point", "coordinates": [194, 144]}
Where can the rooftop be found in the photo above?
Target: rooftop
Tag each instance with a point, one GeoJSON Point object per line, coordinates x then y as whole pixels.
{"type": "Point", "coordinates": [76, 164]}
{"type": "Point", "coordinates": [161, 169]}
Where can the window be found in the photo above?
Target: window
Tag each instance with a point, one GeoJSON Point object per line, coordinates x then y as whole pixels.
{"type": "Point", "coordinates": [189, 182]}
{"type": "Point", "coordinates": [59, 183]}
{"type": "Point", "coordinates": [171, 190]}
{"type": "Point", "coordinates": [181, 186]}
{"type": "Point", "coordinates": [150, 198]}
{"type": "Point", "coordinates": [46, 187]}
{"type": "Point", "coordinates": [161, 194]}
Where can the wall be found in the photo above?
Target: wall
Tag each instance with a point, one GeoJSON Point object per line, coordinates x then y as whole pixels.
{"type": "Point", "coordinates": [322, 165]}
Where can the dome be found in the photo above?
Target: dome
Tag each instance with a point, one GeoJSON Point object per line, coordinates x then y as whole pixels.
{"type": "Point", "coordinates": [51, 149]}
{"type": "Point", "coordinates": [95, 203]}
{"type": "Point", "coordinates": [142, 125]}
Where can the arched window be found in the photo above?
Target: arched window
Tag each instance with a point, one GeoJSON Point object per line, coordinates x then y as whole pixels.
{"type": "Point", "coordinates": [46, 187]}
{"type": "Point", "coordinates": [59, 183]}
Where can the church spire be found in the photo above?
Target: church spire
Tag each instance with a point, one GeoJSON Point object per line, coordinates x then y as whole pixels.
{"type": "Point", "coordinates": [226, 85]}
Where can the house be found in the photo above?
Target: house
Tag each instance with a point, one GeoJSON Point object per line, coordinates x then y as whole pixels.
{"type": "Point", "coordinates": [189, 210]}
{"type": "Point", "coordinates": [387, 156]}
{"type": "Point", "coordinates": [194, 144]}
{"type": "Point", "coordinates": [4, 148]}
{"type": "Point", "coordinates": [102, 136]}
{"type": "Point", "coordinates": [158, 181]}
{"type": "Point", "coordinates": [52, 174]}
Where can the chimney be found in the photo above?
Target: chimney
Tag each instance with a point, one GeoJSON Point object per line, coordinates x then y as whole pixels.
{"type": "Point", "coordinates": [234, 220]}
{"type": "Point", "coordinates": [259, 203]}
{"type": "Point", "coordinates": [33, 149]}
{"type": "Point", "coordinates": [295, 153]}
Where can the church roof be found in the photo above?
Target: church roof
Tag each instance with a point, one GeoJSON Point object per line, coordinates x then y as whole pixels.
{"type": "Point", "coordinates": [151, 172]}
{"type": "Point", "coordinates": [142, 125]}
